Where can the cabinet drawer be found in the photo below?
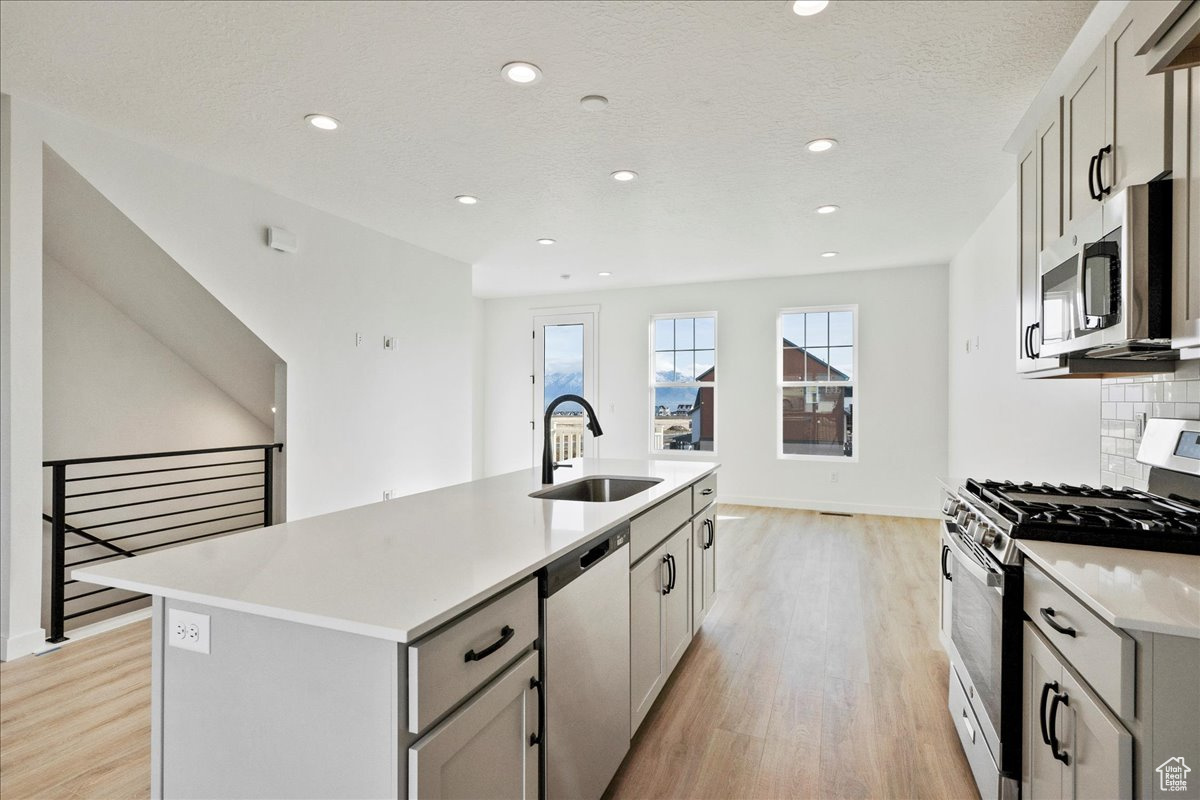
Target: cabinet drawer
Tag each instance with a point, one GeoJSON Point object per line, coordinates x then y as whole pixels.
{"type": "Point", "coordinates": [1101, 654]}
{"type": "Point", "coordinates": [704, 491]}
{"type": "Point", "coordinates": [646, 531]}
{"type": "Point", "coordinates": [448, 665]}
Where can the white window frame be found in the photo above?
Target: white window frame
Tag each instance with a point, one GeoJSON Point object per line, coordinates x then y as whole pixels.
{"type": "Point", "coordinates": [781, 384]}
{"type": "Point", "coordinates": [589, 317]}
{"type": "Point", "coordinates": [701, 455]}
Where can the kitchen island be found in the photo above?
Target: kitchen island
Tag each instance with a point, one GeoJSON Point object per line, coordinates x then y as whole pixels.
{"type": "Point", "coordinates": [351, 654]}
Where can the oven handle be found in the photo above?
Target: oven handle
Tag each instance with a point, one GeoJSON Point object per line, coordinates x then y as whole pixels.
{"type": "Point", "coordinates": [973, 567]}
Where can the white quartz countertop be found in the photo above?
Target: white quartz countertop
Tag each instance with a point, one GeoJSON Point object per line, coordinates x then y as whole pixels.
{"type": "Point", "coordinates": [398, 569]}
{"type": "Point", "coordinates": [1132, 589]}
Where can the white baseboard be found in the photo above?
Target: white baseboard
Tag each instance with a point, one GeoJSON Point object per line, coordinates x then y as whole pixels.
{"type": "Point", "coordinates": [839, 508]}
{"type": "Point", "coordinates": [24, 644]}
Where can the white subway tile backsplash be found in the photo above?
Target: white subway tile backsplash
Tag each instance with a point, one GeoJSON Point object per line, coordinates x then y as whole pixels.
{"type": "Point", "coordinates": [1122, 399]}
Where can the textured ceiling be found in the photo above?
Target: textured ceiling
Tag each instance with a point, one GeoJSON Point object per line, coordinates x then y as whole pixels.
{"type": "Point", "coordinates": [711, 102]}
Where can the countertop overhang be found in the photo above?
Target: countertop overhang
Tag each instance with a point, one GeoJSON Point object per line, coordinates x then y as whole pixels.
{"type": "Point", "coordinates": [397, 569]}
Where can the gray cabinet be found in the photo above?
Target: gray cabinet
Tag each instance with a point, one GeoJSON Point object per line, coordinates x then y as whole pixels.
{"type": "Point", "coordinates": [945, 593]}
{"type": "Point", "coordinates": [1185, 293]}
{"type": "Point", "coordinates": [1137, 121]}
{"type": "Point", "coordinates": [1073, 746]}
{"type": "Point", "coordinates": [704, 564]}
{"type": "Point", "coordinates": [1084, 135]}
{"type": "Point", "coordinates": [660, 622]}
{"type": "Point", "coordinates": [486, 749]}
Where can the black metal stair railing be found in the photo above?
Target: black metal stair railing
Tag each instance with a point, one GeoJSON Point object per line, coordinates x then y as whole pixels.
{"type": "Point", "coordinates": [99, 531]}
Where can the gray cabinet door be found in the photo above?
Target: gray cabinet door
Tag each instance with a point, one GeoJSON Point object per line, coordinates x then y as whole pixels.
{"type": "Point", "coordinates": [945, 593]}
{"type": "Point", "coordinates": [704, 562]}
{"type": "Point", "coordinates": [1041, 773]}
{"type": "Point", "coordinates": [486, 750]}
{"type": "Point", "coordinates": [1099, 749]}
{"type": "Point", "coordinates": [647, 634]}
{"type": "Point", "coordinates": [1084, 133]}
{"type": "Point", "coordinates": [1185, 297]}
{"type": "Point", "coordinates": [677, 603]}
{"type": "Point", "coordinates": [1137, 103]}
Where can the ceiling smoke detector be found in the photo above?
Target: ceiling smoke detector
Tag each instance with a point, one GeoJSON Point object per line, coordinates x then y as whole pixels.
{"type": "Point", "coordinates": [593, 102]}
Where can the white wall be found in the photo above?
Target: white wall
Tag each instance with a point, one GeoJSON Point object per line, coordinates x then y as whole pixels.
{"type": "Point", "coordinates": [109, 387]}
{"type": "Point", "coordinates": [901, 396]}
{"type": "Point", "coordinates": [360, 420]}
{"type": "Point", "coordinates": [1001, 425]}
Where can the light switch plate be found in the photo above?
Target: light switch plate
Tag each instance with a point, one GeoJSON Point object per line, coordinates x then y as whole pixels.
{"type": "Point", "coordinates": [187, 630]}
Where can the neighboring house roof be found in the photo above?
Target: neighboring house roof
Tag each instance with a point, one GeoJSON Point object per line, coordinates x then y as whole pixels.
{"type": "Point", "coordinates": [787, 343]}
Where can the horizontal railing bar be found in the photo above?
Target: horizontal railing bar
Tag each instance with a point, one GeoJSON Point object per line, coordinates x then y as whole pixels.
{"type": "Point", "coordinates": [79, 511]}
{"type": "Point", "coordinates": [167, 454]}
{"type": "Point", "coordinates": [166, 483]}
{"type": "Point", "coordinates": [106, 605]}
{"type": "Point", "coordinates": [166, 544]}
{"type": "Point", "coordinates": [174, 513]}
{"type": "Point", "coordinates": [89, 594]}
{"type": "Point", "coordinates": [164, 469]}
{"type": "Point", "coordinates": [93, 541]}
{"type": "Point", "coordinates": [171, 528]}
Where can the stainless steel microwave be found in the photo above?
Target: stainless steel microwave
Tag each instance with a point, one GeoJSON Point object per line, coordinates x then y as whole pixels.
{"type": "Point", "coordinates": [1106, 285]}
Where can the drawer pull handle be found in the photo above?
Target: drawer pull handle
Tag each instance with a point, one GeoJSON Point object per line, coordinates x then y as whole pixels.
{"type": "Point", "coordinates": [506, 633]}
{"type": "Point", "coordinates": [707, 492]}
{"type": "Point", "coordinates": [534, 740]}
{"type": "Point", "coordinates": [711, 528]}
{"type": "Point", "coordinates": [1048, 615]}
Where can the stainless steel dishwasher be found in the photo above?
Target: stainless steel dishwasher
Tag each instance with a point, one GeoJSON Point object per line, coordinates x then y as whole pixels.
{"type": "Point", "coordinates": [585, 667]}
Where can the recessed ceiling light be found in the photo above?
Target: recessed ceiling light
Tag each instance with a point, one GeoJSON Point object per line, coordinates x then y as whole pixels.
{"type": "Point", "coordinates": [829, 254]}
{"type": "Point", "coordinates": [827, 209]}
{"type": "Point", "coordinates": [593, 102]}
{"type": "Point", "coordinates": [322, 121]}
{"type": "Point", "coordinates": [604, 274]}
{"type": "Point", "coordinates": [821, 145]}
{"type": "Point", "coordinates": [624, 175]}
{"type": "Point", "coordinates": [545, 241]}
{"type": "Point", "coordinates": [806, 8]}
{"type": "Point", "coordinates": [521, 72]}
{"type": "Point", "coordinates": [467, 200]}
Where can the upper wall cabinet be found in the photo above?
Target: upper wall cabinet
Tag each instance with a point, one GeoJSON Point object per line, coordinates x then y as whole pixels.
{"type": "Point", "coordinates": [1116, 118]}
{"type": "Point", "coordinates": [1185, 315]}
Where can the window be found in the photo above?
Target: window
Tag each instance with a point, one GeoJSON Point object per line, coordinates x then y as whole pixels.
{"type": "Point", "coordinates": [818, 371]}
{"type": "Point", "coordinates": [683, 396]}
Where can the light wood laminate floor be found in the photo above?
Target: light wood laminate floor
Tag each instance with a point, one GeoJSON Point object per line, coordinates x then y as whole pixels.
{"type": "Point", "coordinates": [817, 674]}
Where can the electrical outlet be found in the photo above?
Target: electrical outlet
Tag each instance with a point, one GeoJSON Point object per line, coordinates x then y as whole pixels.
{"type": "Point", "coordinates": [358, 339]}
{"type": "Point", "coordinates": [388, 494]}
{"type": "Point", "coordinates": [187, 630]}
{"type": "Point", "coordinates": [389, 343]}
{"type": "Point", "coordinates": [833, 477]}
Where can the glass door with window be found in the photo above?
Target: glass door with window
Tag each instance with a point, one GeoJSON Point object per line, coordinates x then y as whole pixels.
{"type": "Point", "coordinates": [563, 363]}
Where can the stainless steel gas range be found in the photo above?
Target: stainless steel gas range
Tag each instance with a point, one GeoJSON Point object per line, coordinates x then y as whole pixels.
{"type": "Point", "coordinates": [981, 568]}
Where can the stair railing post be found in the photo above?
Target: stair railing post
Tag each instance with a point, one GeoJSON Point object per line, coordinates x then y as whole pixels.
{"type": "Point", "coordinates": [268, 485]}
{"type": "Point", "coordinates": [58, 554]}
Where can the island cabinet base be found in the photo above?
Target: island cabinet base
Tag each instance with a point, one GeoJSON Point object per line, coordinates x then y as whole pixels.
{"type": "Point", "coordinates": [279, 709]}
{"type": "Point", "coordinates": [276, 709]}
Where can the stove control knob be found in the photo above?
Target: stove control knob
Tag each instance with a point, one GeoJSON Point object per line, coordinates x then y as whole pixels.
{"type": "Point", "coordinates": [985, 536]}
{"type": "Point", "coordinates": [964, 514]}
{"type": "Point", "coordinates": [972, 529]}
{"type": "Point", "coordinates": [950, 507]}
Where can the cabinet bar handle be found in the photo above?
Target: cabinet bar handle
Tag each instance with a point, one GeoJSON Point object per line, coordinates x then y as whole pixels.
{"type": "Point", "coordinates": [707, 492]}
{"type": "Point", "coordinates": [1102, 189]}
{"type": "Point", "coordinates": [1048, 615]}
{"type": "Point", "coordinates": [945, 572]}
{"type": "Point", "coordinates": [667, 560]}
{"type": "Point", "coordinates": [1047, 688]}
{"type": "Point", "coordinates": [1061, 756]}
{"type": "Point", "coordinates": [506, 633]}
{"type": "Point", "coordinates": [1092, 177]}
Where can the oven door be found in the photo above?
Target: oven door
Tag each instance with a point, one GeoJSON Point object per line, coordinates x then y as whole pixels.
{"type": "Point", "coordinates": [977, 629]}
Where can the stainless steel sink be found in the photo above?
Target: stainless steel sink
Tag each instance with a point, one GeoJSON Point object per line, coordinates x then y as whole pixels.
{"type": "Point", "coordinates": [597, 489]}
